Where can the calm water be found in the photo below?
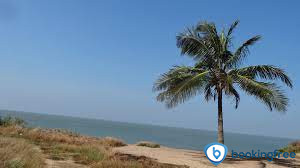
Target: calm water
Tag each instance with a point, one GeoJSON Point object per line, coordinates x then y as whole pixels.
{"type": "Point", "coordinates": [167, 136]}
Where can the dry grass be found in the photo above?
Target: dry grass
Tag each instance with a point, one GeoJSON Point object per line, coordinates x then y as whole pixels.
{"type": "Point", "coordinates": [112, 142]}
{"type": "Point", "coordinates": [18, 153]}
{"type": "Point", "coordinates": [94, 152]}
{"type": "Point", "coordinates": [84, 154]}
{"type": "Point", "coordinates": [148, 144]}
{"type": "Point", "coordinates": [57, 136]}
{"type": "Point", "coordinates": [130, 161]}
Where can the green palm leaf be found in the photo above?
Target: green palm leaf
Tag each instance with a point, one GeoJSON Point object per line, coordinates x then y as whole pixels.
{"type": "Point", "coordinates": [241, 52]}
{"type": "Point", "coordinates": [266, 72]}
{"type": "Point", "coordinates": [268, 93]}
{"type": "Point", "coordinates": [179, 84]}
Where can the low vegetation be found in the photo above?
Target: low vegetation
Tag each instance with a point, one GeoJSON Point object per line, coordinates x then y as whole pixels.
{"type": "Point", "coordinates": [148, 144]}
{"type": "Point", "coordinates": [292, 147]}
{"type": "Point", "coordinates": [9, 121]}
{"type": "Point", "coordinates": [18, 153]}
{"type": "Point", "coordinates": [29, 147]}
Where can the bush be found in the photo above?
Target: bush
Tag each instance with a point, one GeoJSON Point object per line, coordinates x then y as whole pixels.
{"type": "Point", "coordinates": [292, 147]}
{"type": "Point", "coordinates": [113, 142]}
{"type": "Point", "coordinates": [148, 144]}
{"type": "Point", "coordinates": [11, 121]}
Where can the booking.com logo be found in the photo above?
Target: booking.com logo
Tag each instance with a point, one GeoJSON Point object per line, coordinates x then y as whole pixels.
{"type": "Point", "coordinates": [216, 153]}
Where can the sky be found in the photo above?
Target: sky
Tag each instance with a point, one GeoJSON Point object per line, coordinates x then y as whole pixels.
{"type": "Point", "coordinates": [99, 59]}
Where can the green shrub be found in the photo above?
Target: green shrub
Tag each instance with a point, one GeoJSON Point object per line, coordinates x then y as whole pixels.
{"type": "Point", "coordinates": [113, 142]}
{"type": "Point", "coordinates": [148, 144]}
{"type": "Point", "coordinates": [292, 147]}
{"type": "Point", "coordinates": [11, 121]}
{"type": "Point", "coordinates": [15, 163]}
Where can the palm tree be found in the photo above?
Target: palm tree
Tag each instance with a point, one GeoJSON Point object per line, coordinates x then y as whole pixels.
{"type": "Point", "coordinates": [218, 72]}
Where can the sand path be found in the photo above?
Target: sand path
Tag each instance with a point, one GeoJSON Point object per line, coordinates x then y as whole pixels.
{"type": "Point", "coordinates": [196, 159]}
{"type": "Point", "coordinates": [63, 164]}
{"type": "Point", "coordinates": [50, 163]}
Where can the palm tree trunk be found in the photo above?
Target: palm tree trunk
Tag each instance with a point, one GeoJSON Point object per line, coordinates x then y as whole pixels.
{"type": "Point", "coordinates": [220, 118]}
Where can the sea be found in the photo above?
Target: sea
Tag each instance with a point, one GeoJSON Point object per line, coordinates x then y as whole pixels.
{"type": "Point", "coordinates": [183, 138]}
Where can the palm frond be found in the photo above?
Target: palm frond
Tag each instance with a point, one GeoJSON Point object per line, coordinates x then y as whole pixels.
{"type": "Point", "coordinates": [193, 45]}
{"type": "Point", "coordinates": [268, 93]}
{"type": "Point", "coordinates": [269, 72]}
{"type": "Point", "coordinates": [207, 28]}
{"type": "Point", "coordinates": [210, 34]}
{"type": "Point", "coordinates": [241, 52]}
{"type": "Point", "coordinates": [228, 38]}
{"type": "Point", "coordinates": [209, 93]}
{"type": "Point", "coordinates": [180, 84]}
{"type": "Point", "coordinates": [232, 27]}
{"type": "Point", "coordinates": [230, 90]}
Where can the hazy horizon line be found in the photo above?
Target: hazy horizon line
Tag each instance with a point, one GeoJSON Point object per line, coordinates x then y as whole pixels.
{"type": "Point", "coordinates": [147, 124]}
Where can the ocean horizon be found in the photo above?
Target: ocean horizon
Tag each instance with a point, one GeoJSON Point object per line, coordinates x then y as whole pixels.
{"type": "Point", "coordinates": [175, 137]}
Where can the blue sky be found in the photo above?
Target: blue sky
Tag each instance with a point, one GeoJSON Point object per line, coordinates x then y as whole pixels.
{"type": "Point", "coordinates": [99, 59]}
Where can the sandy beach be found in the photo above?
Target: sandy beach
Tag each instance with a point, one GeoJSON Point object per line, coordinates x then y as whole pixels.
{"type": "Point", "coordinates": [197, 159]}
